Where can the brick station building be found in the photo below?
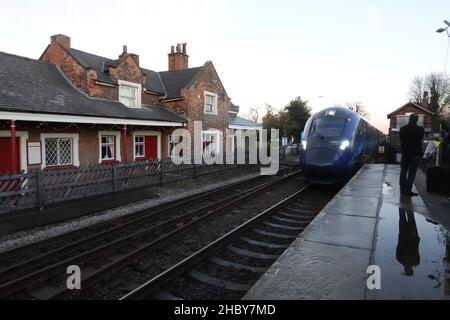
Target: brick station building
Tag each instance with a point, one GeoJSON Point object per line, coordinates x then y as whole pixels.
{"type": "Point", "coordinates": [400, 117]}
{"type": "Point", "coordinates": [72, 108]}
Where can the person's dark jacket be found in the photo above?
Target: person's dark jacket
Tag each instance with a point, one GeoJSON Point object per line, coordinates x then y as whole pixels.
{"type": "Point", "coordinates": [411, 137]}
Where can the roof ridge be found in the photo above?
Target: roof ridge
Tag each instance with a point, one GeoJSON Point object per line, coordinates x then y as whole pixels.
{"type": "Point", "coordinates": [181, 70]}
{"type": "Point", "coordinates": [92, 54]}
{"type": "Point", "coordinates": [413, 103]}
{"type": "Point", "coordinates": [25, 58]}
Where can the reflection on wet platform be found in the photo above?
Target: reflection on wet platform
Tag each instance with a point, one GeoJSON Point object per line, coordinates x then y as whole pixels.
{"type": "Point", "coordinates": [411, 245]}
{"type": "Point", "coordinates": [368, 223]}
{"type": "Point", "coordinates": [411, 251]}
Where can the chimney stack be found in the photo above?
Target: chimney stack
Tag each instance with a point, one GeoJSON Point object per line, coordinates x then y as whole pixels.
{"type": "Point", "coordinates": [61, 39]}
{"type": "Point", "coordinates": [425, 102]}
{"type": "Point", "coordinates": [178, 60]}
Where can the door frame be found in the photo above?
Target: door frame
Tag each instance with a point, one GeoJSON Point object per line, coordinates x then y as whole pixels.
{"type": "Point", "coordinates": [148, 133]}
{"type": "Point", "coordinates": [23, 137]}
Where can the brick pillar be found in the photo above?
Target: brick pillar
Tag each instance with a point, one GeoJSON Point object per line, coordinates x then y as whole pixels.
{"type": "Point", "coordinates": [124, 143]}
{"type": "Point", "coordinates": [13, 146]}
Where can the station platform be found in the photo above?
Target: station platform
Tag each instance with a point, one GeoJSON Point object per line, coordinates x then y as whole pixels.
{"type": "Point", "coordinates": [367, 223]}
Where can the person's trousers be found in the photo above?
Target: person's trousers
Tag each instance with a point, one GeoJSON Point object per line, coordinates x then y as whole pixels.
{"type": "Point", "coordinates": [408, 169]}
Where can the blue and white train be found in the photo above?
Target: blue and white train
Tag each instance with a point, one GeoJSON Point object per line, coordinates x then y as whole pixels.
{"type": "Point", "coordinates": [336, 143]}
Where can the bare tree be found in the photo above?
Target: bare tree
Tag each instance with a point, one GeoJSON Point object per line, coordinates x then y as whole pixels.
{"type": "Point", "coordinates": [417, 89]}
{"type": "Point", "coordinates": [438, 86]}
{"type": "Point", "coordinates": [254, 113]}
{"type": "Point", "coordinates": [358, 107]}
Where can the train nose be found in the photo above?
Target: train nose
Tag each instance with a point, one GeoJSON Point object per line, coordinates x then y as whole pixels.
{"type": "Point", "coordinates": [322, 157]}
{"type": "Point", "coordinates": [323, 165]}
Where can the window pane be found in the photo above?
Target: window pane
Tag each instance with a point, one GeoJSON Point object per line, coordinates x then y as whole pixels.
{"type": "Point", "coordinates": [128, 95]}
{"type": "Point", "coordinates": [108, 152]}
{"type": "Point", "coordinates": [139, 150]}
{"type": "Point", "coordinates": [104, 153]}
{"type": "Point", "coordinates": [210, 102]}
{"type": "Point", "coordinates": [110, 139]}
{"type": "Point", "coordinates": [107, 139]}
{"type": "Point", "coordinates": [51, 152]}
{"type": "Point", "coordinates": [65, 151]}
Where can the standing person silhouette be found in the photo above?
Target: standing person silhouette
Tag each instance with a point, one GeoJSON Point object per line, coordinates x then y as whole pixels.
{"type": "Point", "coordinates": [408, 242]}
{"type": "Point", "coordinates": [411, 137]}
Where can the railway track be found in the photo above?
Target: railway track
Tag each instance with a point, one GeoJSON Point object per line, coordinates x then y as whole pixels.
{"type": "Point", "coordinates": [40, 269]}
{"type": "Point", "coordinates": [229, 266]}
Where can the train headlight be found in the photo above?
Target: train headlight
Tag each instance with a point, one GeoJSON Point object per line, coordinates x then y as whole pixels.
{"type": "Point", "coordinates": [344, 144]}
{"type": "Point", "coordinates": [304, 144]}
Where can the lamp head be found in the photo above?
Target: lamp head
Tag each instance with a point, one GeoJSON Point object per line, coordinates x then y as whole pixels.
{"type": "Point", "coordinates": [447, 23]}
{"type": "Point", "coordinates": [440, 30]}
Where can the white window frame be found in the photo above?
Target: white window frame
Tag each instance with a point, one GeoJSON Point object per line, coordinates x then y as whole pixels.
{"type": "Point", "coordinates": [23, 137]}
{"type": "Point", "coordinates": [140, 143]}
{"type": "Point", "coordinates": [169, 141]}
{"type": "Point", "coordinates": [420, 121]}
{"type": "Point", "coordinates": [75, 147]}
{"type": "Point", "coordinates": [218, 135]}
{"type": "Point", "coordinates": [147, 133]}
{"type": "Point", "coordinates": [138, 88]}
{"type": "Point", "coordinates": [117, 135]}
{"type": "Point", "coordinates": [207, 93]}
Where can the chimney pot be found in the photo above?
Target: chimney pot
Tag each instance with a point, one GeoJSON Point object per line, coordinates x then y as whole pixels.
{"type": "Point", "coordinates": [425, 102]}
{"type": "Point", "coordinates": [125, 50]}
{"type": "Point", "coordinates": [178, 60]}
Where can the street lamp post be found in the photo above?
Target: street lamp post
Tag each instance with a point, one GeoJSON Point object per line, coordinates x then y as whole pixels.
{"type": "Point", "coordinates": [447, 30]}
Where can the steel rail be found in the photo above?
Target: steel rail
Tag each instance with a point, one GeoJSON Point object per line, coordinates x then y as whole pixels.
{"type": "Point", "coordinates": [74, 246]}
{"type": "Point", "coordinates": [14, 253]}
{"type": "Point", "coordinates": [155, 284]}
{"type": "Point", "coordinates": [16, 285]}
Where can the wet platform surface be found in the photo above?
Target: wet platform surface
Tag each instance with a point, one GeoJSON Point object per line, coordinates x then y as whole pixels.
{"type": "Point", "coordinates": [368, 223]}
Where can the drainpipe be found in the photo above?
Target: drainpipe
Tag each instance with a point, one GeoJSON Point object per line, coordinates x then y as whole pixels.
{"type": "Point", "coordinates": [13, 146]}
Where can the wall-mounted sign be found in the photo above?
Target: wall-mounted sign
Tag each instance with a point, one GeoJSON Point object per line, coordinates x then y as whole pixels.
{"type": "Point", "coordinates": [34, 152]}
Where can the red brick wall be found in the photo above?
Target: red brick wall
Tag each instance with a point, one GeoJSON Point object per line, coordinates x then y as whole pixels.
{"type": "Point", "coordinates": [407, 109]}
{"type": "Point", "coordinates": [192, 103]}
{"type": "Point", "coordinates": [179, 106]}
{"type": "Point", "coordinates": [127, 70]}
{"type": "Point", "coordinates": [71, 68]}
{"type": "Point", "coordinates": [149, 98]}
{"type": "Point", "coordinates": [85, 79]}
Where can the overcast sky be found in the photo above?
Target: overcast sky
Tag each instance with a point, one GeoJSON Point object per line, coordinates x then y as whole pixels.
{"type": "Point", "coordinates": [265, 51]}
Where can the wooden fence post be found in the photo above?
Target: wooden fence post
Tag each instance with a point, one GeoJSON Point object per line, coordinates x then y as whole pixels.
{"type": "Point", "coordinates": [195, 170]}
{"type": "Point", "coordinates": [40, 190]}
{"type": "Point", "coordinates": [161, 173]}
{"type": "Point", "coordinates": [114, 178]}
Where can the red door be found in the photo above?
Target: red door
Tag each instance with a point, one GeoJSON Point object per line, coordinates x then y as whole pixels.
{"type": "Point", "coordinates": [151, 147]}
{"type": "Point", "coordinates": [5, 155]}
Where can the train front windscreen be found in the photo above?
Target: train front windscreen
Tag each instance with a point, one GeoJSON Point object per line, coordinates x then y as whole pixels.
{"type": "Point", "coordinates": [330, 128]}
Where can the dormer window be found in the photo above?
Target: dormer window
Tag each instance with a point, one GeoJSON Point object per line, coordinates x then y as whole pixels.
{"type": "Point", "coordinates": [210, 103]}
{"type": "Point", "coordinates": [130, 94]}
